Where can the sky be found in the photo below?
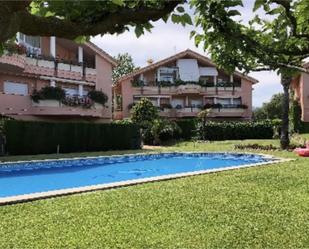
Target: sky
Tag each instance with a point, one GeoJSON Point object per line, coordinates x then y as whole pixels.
{"type": "Point", "coordinates": [168, 38]}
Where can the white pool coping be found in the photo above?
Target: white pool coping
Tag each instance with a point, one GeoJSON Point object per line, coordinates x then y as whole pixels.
{"type": "Point", "coordinates": [69, 191]}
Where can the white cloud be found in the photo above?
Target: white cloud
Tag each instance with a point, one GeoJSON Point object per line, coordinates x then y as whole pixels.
{"type": "Point", "coordinates": [168, 38]}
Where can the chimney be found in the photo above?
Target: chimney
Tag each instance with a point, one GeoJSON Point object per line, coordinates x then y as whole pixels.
{"type": "Point", "coordinates": [149, 61]}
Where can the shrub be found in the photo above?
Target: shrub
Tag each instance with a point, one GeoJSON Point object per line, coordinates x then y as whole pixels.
{"type": "Point", "coordinates": [188, 128]}
{"type": "Point", "coordinates": [137, 83]}
{"type": "Point", "coordinates": [98, 97]}
{"type": "Point", "coordinates": [255, 147]}
{"type": "Point", "coordinates": [85, 102]}
{"type": "Point", "coordinates": [236, 130]}
{"type": "Point", "coordinates": [166, 106]}
{"type": "Point", "coordinates": [163, 129]}
{"type": "Point", "coordinates": [144, 112]}
{"type": "Point", "coordinates": [25, 137]}
{"type": "Point", "coordinates": [48, 92]}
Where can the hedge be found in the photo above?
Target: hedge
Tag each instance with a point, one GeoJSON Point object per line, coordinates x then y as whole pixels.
{"type": "Point", "coordinates": [236, 130]}
{"type": "Point", "coordinates": [188, 128]}
{"type": "Point", "coordinates": [304, 127]}
{"type": "Point", "coordinates": [26, 138]}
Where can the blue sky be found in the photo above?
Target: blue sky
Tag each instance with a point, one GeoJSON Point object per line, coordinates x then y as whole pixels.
{"type": "Point", "coordinates": [168, 38]}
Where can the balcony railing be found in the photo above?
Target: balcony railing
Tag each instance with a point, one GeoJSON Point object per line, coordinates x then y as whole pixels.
{"type": "Point", "coordinates": [178, 82]}
{"type": "Point", "coordinates": [60, 68]}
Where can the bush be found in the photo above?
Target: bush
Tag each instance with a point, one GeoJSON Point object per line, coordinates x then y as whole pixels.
{"type": "Point", "coordinates": [188, 128]}
{"type": "Point", "coordinates": [236, 130]}
{"type": "Point", "coordinates": [25, 137]}
{"type": "Point", "coordinates": [48, 92]}
{"type": "Point", "coordinates": [163, 130]}
{"type": "Point", "coordinates": [98, 97]}
{"type": "Point", "coordinates": [144, 112]}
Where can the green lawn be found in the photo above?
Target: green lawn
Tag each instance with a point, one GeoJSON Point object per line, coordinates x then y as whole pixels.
{"type": "Point", "coordinates": [262, 207]}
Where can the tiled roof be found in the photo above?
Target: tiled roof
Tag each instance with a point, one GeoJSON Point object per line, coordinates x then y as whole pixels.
{"type": "Point", "coordinates": [102, 53]}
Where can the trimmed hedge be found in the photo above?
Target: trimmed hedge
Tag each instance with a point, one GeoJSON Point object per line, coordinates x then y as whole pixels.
{"type": "Point", "coordinates": [304, 127]}
{"type": "Point", "coordinates": [188, 128]}
{"type": "Point", "coordinates": [24, 137]}
{"type": "Point", "coordinates": [237, 130]}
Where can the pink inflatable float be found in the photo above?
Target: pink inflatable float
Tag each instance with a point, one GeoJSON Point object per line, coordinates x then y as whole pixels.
{"type": "Point", "coordinates": [303, 151]}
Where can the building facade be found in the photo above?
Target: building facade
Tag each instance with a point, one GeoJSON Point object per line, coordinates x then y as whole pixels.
{"type": "Point", "coordinates": [184, 84]}
{"type": "Point", "coordinates": [300, 86]}
{"type": "Point", "coordinates": [39, 62]}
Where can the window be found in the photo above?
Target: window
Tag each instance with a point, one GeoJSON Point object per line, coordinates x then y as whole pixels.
{"type": "Point", "coordinates": [224, 101]}
{"type": "Point", "coordinates": [15, 88]}
{"type": "Point", "coordinates": [196, 102]}
{"type": "Point", "coordinates": [237, 101]}
{"type": "Point", "coordinates": [71, 91]}
{"type": "Point", "coordinates": [207, 79]}
{"type": "Point", "coordinates": [167, 74]}
{"type": "Point", "coordinates": [32, 41]}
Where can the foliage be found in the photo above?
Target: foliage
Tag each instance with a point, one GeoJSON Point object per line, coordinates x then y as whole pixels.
{"type": "Point", "coordinates": [144, 112]}
{"type": "Point", "coordinates": [13, 48]}
{"type": "Point", "coordinates": [295, 117]}
{"type": "Point", "coordinates": [179, 82]}
{"type": "Point", "coordinates": [81, 19]}
{"type": "Point", "coordinates": [166, 106]}
{"type": "Point", "coordinates": [188, 128]}
{"type": "Point", "coordinates": [42, 138]}
{"type": "Point", "coordinates": [123, 121]}
{"type": "Point", "coordinates": [98, 97]}
{"type": "Point", "coordinates": [278, 42]}
{"type": "Point", "coordinates": [48, 92]}
{"type": "Point", "coordinates": [137, 83]}
{"type": "Point", "coordinates": [235, 130]}
{"type": "Point", "coordinates": [84, 102]}
{"type": "Point", "coordinates": [163, 129]}
{"type": "Point", "coordinates": [124, 67]}
{"type": "Point", "coordinates": [271, 109]}
{"type": "Point", "coordinates": [255, 147]}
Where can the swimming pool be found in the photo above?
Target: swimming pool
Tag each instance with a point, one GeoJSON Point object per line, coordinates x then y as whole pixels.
{"type": "Point", "coordinates": [52, 177]}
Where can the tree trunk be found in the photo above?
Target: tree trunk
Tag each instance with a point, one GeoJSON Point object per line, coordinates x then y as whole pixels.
{"type": "Point", "coordinates": [284, 139]}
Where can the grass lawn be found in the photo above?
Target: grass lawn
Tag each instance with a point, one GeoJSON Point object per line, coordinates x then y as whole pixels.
{"type": "Point", "coordinates": [262, 207]}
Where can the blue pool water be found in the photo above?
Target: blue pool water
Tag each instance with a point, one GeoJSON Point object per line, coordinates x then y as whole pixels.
{"type": "Point", "coordinates": [41, 176]}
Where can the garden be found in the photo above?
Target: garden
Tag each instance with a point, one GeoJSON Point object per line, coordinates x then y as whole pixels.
{"type": "Point", "coordinates": [256, 207]}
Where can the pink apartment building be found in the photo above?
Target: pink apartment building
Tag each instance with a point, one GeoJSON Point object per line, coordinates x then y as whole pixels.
{"type": "Point", "coordinates": [51, 61]}
{"type": "Point", "coordinates": [182, 85]}
{"type": "Point", "coordinates": [300, 85]}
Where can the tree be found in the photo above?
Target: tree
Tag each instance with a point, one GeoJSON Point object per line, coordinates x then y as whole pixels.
{"type": "Point", "coordinates": [79, 18]}
{"type": "Point", "coordinates": [125, 66]}
{"type": "Point", "coordinates": [271, 109]}
{"type": "Point", "coordinates": [203, 116]}
{"type": "Point", "coordinates": [279, 42]}
{"type": "Point", "coordinates": [144, 112]}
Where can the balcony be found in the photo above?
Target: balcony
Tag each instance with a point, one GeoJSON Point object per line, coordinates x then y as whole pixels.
{"type": "Point", "coordinates": [60, 69]}
{"type": "Point", "coordinates": [229, 111]}
{"type": "Point", "coordinates": [187, 112]}
{"type": "Point", "coordinates": [189, 89]}
{"type": "Point", "coordinates": [11, 104]}
{"type": "Point", "coordinates": [14, 62]}
{"type": "Point", "coordinates": [184, 87]}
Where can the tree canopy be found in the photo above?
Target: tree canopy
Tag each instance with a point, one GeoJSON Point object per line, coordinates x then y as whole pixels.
{"type": "Point", "coordinates": [271, 109]}
{"type": "Point", "coordinates": [79, 18]}
{"type": "Point", "coordinates": [278, 39]}
{"type": "Point", "coordinates": [125, 66]}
